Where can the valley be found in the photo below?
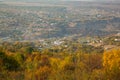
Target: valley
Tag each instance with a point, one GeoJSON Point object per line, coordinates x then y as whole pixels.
{"type": "Point", "coordinates": [24, 21]}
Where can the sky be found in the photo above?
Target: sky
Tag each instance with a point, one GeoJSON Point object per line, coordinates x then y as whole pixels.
{"type": "Point", "coordinates": [58, 0]}
{"type": "Point", "coordinates": [46, 0]}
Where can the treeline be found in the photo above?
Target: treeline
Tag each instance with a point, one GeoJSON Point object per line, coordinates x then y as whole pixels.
{"type": "Point", "coordinates": [22, 61]}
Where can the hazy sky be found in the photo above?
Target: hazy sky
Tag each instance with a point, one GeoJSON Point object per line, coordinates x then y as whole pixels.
{"type": "Point", "coordinates": [46, 0]}
{"type": "Point", "coordinates": [58, 0]}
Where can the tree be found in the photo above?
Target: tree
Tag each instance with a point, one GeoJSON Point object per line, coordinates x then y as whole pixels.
{"type": "Point", "coordinates": [27, 50]}
{"type": "Point", "coordinates": [43, 73]}
{"type": "Point", "coordinates": [9, 62]}
{"type": "Point", "coordinates": [111, 63]}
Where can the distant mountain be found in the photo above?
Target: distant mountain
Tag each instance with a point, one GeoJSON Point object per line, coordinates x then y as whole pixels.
{"type": "Point", "coordinates": [59, 0]}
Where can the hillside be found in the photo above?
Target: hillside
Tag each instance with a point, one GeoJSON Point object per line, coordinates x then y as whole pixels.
{"type": "Point", "coordinates": [59, 40]}
{"type": "Point", "coordinates": [34, 21]}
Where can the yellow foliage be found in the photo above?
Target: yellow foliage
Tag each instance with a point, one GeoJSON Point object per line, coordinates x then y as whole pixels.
{"type": "Point", "coordinates": [111, 58]}
{"type": "Point", "coordinates": [111, 63]}
{"type": "Point", "coordinates": [67, 64]}
{"type": "Point", "coordinates": [42, 73]}
{"type": "Point", "coordinates": [55, 62]}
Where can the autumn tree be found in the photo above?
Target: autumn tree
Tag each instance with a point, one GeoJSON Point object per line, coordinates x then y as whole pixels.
{"type": "Point", "coordinates": [111, 63]}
